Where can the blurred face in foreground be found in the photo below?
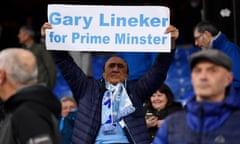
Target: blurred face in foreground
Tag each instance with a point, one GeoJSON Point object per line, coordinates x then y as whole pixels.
{"type": "Point", "coordinates": [159, 100]}
{"type": "Point", "coordinates": [115, 70]}
{"type": "Point", "coordinates": [210, 81]}
{"type": "Point", "coordinates": [67, 106]}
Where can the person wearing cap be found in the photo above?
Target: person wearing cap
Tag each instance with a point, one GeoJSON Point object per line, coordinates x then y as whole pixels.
{"type": "Point", "coordinates": [207, 36]}
{"type": "Point", "coordinates": [212, 115]}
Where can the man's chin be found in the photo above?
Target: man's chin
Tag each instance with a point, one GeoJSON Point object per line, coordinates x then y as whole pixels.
{"type": "Point", "coordinates": [114, 82]}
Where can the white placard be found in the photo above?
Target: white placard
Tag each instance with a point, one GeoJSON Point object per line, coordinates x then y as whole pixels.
{"type": "Point", "coordinates": [108, 28]}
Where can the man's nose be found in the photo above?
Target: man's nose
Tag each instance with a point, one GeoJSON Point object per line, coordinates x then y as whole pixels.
{"type": "Point", "coordinates": [203, 75]}
{"type": "Point", "coordinates": [196, 43]}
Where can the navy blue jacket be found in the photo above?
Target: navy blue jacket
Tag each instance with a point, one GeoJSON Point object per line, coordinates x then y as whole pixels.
{"type": "Point", "coordinates": [203, 121]}
{"type": "Point", "coordinates": [89, 93]}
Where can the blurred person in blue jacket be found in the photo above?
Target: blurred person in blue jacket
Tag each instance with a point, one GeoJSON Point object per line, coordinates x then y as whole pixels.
{"type": "Point", "coordinates": [68, 116]}
{"type": "Point", "coordinates": [207, 36]}
{"type": "Point", "coordinates": [212, 116]}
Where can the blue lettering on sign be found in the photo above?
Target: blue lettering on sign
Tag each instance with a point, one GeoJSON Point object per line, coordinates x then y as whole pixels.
{"type": "Point", "coordinates": [55, 18]}
{"type": "Point", "coordinates": [57, 38]}
{"type": "Point", "coordinates": [127, 38]}
{"type": "Point", "coordinates": [89, 38]}
{"type": "Point", "coordinates": [140, 21]}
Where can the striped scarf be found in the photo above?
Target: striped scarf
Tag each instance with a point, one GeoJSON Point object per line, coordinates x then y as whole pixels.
{"type": "Point", "coordinates": [115, 105]}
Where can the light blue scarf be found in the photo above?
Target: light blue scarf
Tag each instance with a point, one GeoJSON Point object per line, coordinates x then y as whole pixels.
{"type": "Point", "coordinates": [115, 105]}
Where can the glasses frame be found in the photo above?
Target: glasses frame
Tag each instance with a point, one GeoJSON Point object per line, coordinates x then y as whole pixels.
{"type": "Point", "coordinates": [198, 37]}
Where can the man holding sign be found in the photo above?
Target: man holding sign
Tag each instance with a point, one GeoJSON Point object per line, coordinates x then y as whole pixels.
{"type": "Point", "coordinates": [111, 110]}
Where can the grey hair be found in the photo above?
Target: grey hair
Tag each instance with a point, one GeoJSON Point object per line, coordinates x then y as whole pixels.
{"type": "Point", "coordinates": [16, 70]}
{"type": "Point", "coordinates": [206, 26]}
{"type": "Point", "coordinates": [29, 30]}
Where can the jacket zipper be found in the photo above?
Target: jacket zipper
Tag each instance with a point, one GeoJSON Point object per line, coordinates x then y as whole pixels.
{"type": "Point", "coordinates": [201, 115]}
{"type": "Point", "coordinates": [127, 131]}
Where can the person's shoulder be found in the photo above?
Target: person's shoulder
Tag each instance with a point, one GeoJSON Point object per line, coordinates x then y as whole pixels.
{"type": "Point", "coordinates": [176, 115]}
{"type": "Point", "coordinates": [176, 120]}
{"type": "Point", "coordinates": [36, 46]}
{"type": "Point", "coordinates": [176, 106]}
{"type": "Point", "coordinates": [22, 114]}
{"type": "Point", "coordinates": [39, 47]}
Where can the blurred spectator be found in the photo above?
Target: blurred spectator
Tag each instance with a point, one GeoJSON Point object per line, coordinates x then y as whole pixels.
{"type": "Point", "coordinates": [69, 111]}
{"type": "Point", "coordinates": [160, 105]}
{"type": "Point", "coordinates": [68, 105]}
{"type": "Point", "coordinates": [207, 36]}
{"type": "Point", "coordinates": [31, 109]}
{"type": "Point", "coordinates": [46, 65]}
{"type": "Point", "coordinates": [212, 114]}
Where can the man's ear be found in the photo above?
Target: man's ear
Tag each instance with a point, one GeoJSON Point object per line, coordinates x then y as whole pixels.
{"type": "Point", "coordinates": [229, 78]}
{"type": "Point", "coordinates": [104, 75]}
{"type": "Point", "coordinates": [2, 76]}
{"type": "Point", "coordinates": [208, 34]}
{"type": "Point", "coordinates": [127, 76]}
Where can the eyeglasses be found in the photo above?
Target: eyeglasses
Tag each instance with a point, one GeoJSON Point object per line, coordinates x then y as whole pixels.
{"type": "Point", "coordinates": [198, 37]}
{"type": "Point", "coordinates": [119, 65]}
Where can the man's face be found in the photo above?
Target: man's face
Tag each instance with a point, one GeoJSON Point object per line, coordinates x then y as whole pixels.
{"type": "Point", "coordinates": [210, 81]}
{"type": "Point", "coordinates": [202, 40]}
{"type": "Point", "coordinates": [67, 106]}
{"type": "Point", "coordinates": [115, 70]}
{"type": "Point", "coordinates": [22, 36]}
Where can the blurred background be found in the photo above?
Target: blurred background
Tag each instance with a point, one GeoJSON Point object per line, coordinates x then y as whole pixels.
{"type": "Point", "coordinates": [185, 14]}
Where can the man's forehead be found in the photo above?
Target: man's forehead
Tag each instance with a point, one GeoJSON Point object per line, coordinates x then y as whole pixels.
{"type": "Point", "coordinates": [206, 63]}
{"type": "Point", "coordinates": [115, 59]}
{"type": "Point", "coordinates": [196, 32]}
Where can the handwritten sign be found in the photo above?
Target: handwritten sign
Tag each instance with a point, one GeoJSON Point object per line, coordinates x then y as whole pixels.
{"type": "Point", "coordinates": [108, 28]}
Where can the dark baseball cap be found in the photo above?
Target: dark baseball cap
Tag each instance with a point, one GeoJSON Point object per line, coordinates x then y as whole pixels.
{"type": "Point", "coordinates": [212, 55]}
